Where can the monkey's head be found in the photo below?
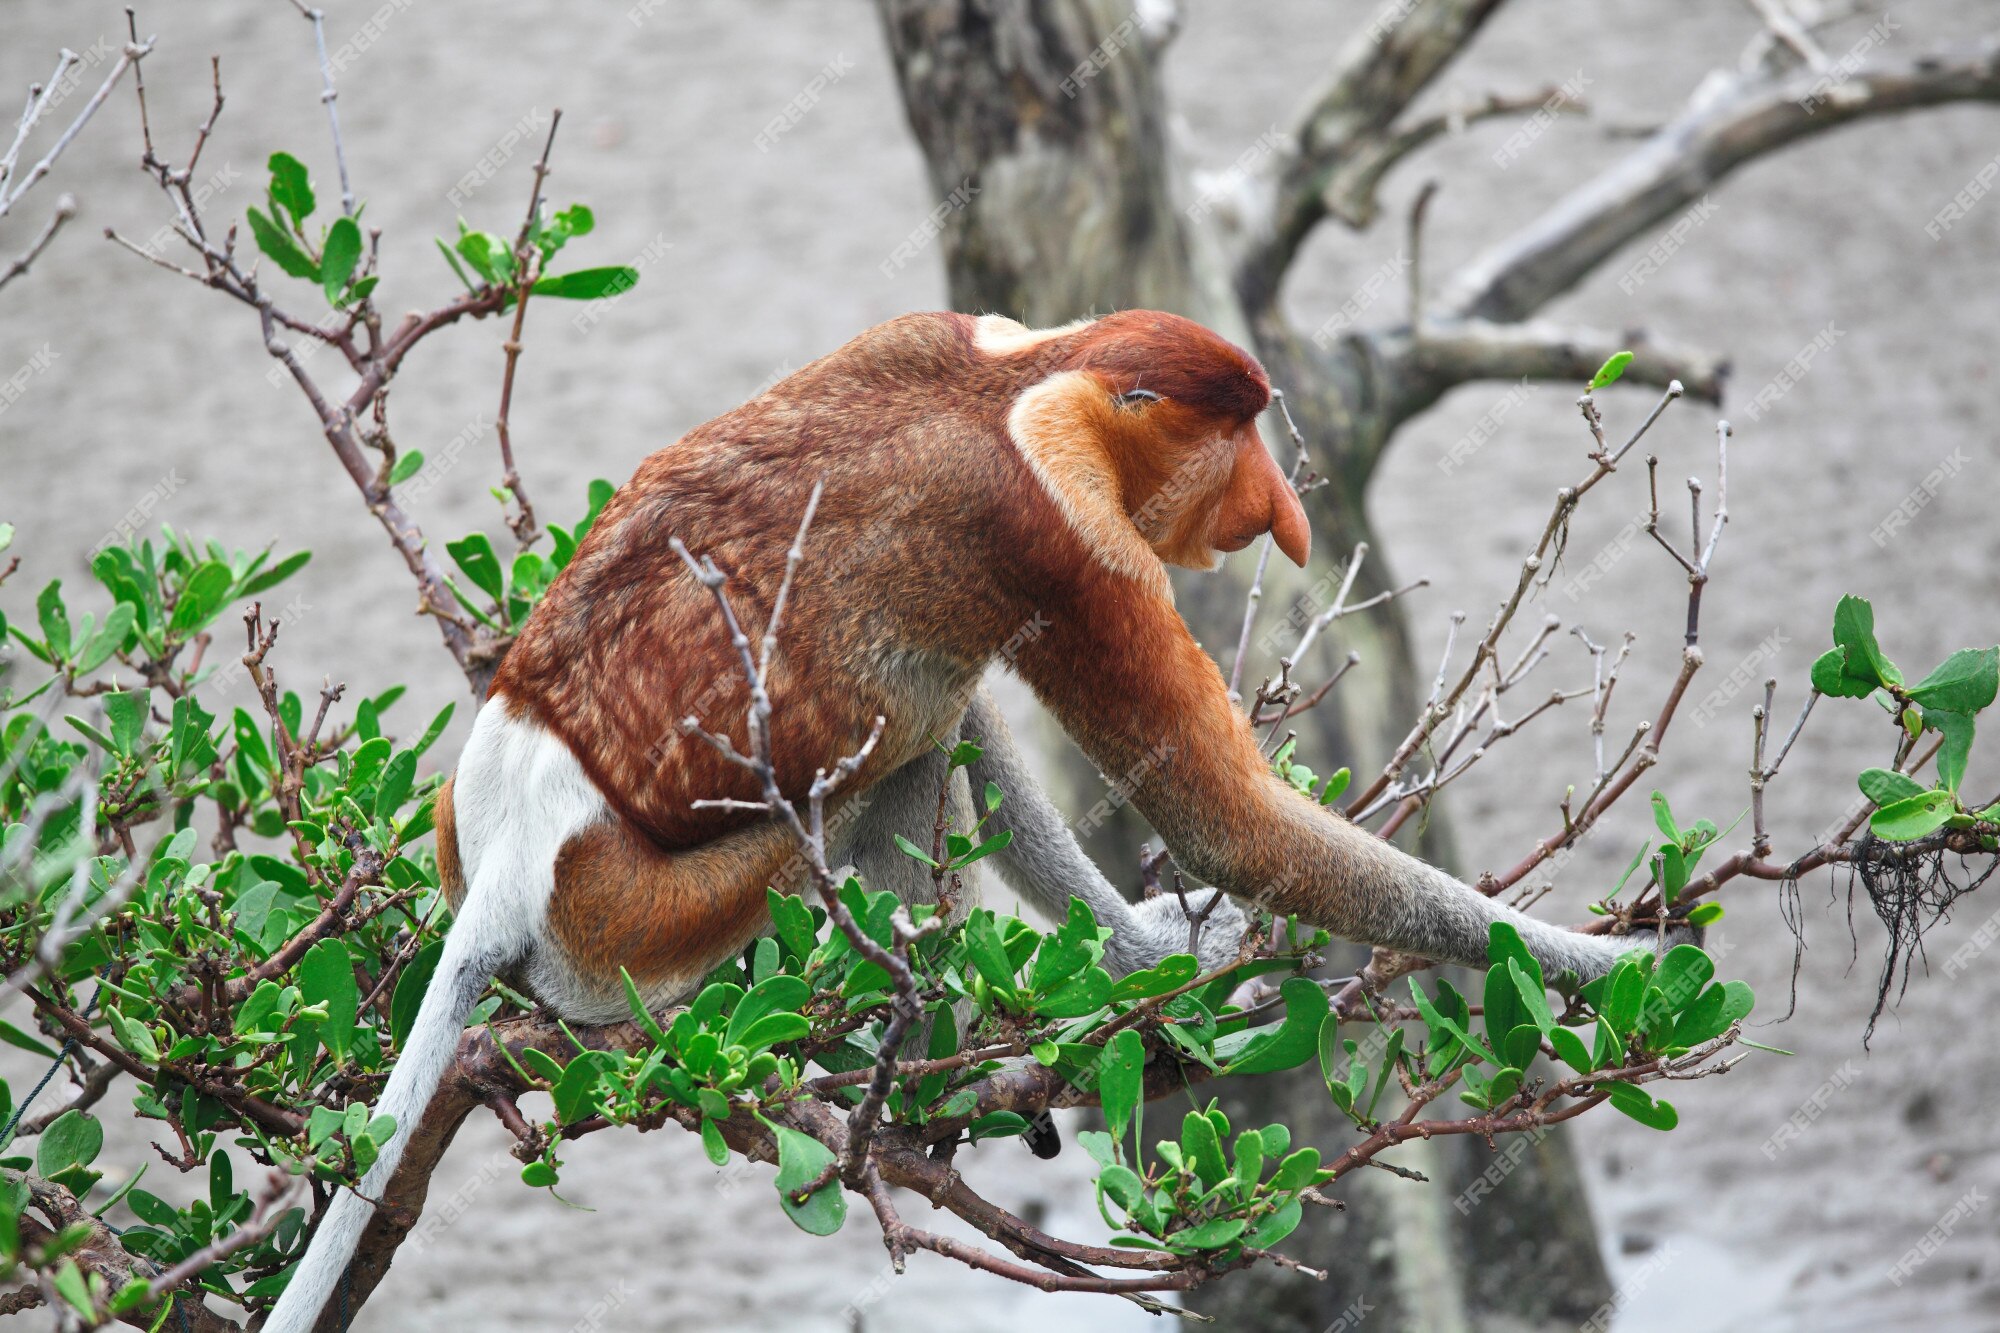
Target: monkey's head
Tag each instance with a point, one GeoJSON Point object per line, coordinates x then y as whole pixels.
{"type": "Point", "coordinates": [1163, 413]}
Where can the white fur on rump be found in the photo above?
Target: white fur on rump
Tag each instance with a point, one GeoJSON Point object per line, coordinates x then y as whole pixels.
{"type": "Point", "coordinates": [519, 795]}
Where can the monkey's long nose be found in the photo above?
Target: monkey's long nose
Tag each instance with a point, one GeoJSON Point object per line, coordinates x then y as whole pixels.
{"type": "Point", "coordinates": [1261, 500]}
{"type": "Point", "coordinates": [1288, 523]}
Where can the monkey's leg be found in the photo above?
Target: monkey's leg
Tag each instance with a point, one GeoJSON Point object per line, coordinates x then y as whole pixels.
{"type": "Point", "coordinates": [1047, 866]}
{"type": "Point", "coordinates": [862, 833]}
{"type": "Point", "coordinates": [665, 917]}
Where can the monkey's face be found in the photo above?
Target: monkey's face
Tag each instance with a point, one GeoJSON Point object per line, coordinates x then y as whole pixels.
{"type": "Point", "coordinates": [1198, 487]}
{"type": "Point", "coordinates": [1180, 426]}
{"type": "Point", "coordinates": [1158, 415]}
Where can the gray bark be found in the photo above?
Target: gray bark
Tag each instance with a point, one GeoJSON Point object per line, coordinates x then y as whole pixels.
{"type": "Point", "coordinates": [1068, 211]}
{"type": "Point", "coordinates": [1042, 121]}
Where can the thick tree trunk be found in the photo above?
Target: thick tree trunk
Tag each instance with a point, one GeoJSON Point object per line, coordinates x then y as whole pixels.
{"type": "Point", "coordinates": [1043, 120]}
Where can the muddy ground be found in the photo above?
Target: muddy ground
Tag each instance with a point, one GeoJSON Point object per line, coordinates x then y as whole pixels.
{"type": "Point", "coordinates": [759, 256]}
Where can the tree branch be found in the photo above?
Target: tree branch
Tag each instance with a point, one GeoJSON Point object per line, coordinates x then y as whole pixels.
{"type": "Point", "coordinates": [1377, 74]}
{"type": "Point", "coordinates": [1719, 132]}
{"type": "Point", "coordinates": [1422, 370]}
{"type": "Point", "coordinates": [1350, 193]}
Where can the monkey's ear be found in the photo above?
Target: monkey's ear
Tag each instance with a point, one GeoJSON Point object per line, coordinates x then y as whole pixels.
{"type": "Point", "coordinates": [1259, 500]}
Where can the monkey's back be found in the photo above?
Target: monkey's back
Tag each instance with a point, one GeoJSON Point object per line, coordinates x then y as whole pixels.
{"type": "Point", "coordinates": [627, 643]}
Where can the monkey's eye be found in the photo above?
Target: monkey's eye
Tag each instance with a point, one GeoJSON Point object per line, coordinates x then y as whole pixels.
{"type": "Point", "coordinates": [1134, 397]}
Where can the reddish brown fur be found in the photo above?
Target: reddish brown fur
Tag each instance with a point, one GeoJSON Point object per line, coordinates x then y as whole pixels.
{"type": "Point", "coordinates": [622, 902]}
{"type": "Point", "coordinates": [450, 876]}
{"type": "Point", "coordinates": [933, 544]}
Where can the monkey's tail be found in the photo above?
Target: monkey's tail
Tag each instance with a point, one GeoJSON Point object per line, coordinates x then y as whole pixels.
{"type": "Point", "coordinates": [474, 950]}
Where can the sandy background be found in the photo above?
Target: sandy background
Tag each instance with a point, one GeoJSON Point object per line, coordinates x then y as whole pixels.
{"type": "Point", "coordinates": [758, 260]}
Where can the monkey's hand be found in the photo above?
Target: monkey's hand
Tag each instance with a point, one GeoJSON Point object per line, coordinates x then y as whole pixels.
{"type": "Point", "coordinates": [1159, 926]}
{"type": "Point", "coordinates": [1680, 930]}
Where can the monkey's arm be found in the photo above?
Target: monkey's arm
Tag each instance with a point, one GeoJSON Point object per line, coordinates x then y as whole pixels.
{"type": "Point", "coordinates": [1122, 673]}
{"type": "Point", "coordinates": [1046, 866]}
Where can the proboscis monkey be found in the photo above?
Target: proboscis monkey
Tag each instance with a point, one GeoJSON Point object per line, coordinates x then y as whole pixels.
{"type": "Point", "coordinates": [990, 493]}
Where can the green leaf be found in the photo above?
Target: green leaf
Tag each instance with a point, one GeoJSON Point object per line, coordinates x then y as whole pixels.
{"type": "Point", "coordinates": [204, 594]}
{"type": "Point", "coordinates": [70, 1284]}
{"type": "Point", "coordinates": [1711, 1014]}
{"type": "Point", "coordinates": [1081, 994]}
{"type": "Point", "coordinates": [575, 1093]}
{"type": "Point", "coordinates": [1504, 1011]}
{"type": "Point", "coordinates": [1571, 1051]}
{"type": "Point", "coordinates": [793, 920]}
{"type": "Point", "coordinates": [1854, 630]}
{"type": "Point", "coordinates": [1635, 1102]}
{"type": "Point", "coordinates": [801, 1158]}
{"type": "Point", "coordinates": [1120, 1076]}
{"type": "Point", "coordinates": [1830, 677]}
{"type": "Point", "coordinates": [393, 787]}
{"type": "Point", "coordinates": [773, 1029]}
{"type": "Point", "coordinates": [13, 1036]}
{"type": "Point", "coordinates": [1212, 1234]}
{"type": "Point", "coordinates": [1296, 1171]}
{"type": "Point", "coordinates": [107, 640]}
{"type": "Point", "coordinates": [1447, 1021]}
{"type": "Point", "coordinates": [457, 268]}
{"type": "Point", "coordinates": [1956, 728]}
{"type": "Point", "coordinates": [127, 711]}
{"type": "Point", "coordinates": [772, 995]}
{"type": "Point", "coordinates": [1663, 816]}
{"type": "Point", "coordinates": [1296, 1040]}
{"type": "Point", "coordinates": [1609, 372]}
{"type": "Point", "coordinates": [410, 988]}
{"type": "Point", "coordinates": [274, 241]}
{"type": "Point", "coordinates": [1704, 914]}
{"type": "Point", "coordinates": [326, 976]}
{"type": "Point", "coordinates": [1066, 951]}
{"type": "Point", "coordinates": [275, 575]}
{"type": "Point", "coordinates": [1275, 1227]}
{"type": "Point", "coordinates": [291, 188]}
{"type": "Point", "coordinates": [914, 852]}
{"type": "Point", "coordinates": [1965, 682]}
{"type": "Point", "coordinates": [1171, 973]}
{"type": "Point", "coordinates": [1673, 871]}
{"type": "Point", "coordinates": [72, 1139]}
{"type": "Point", "coordinates": [998, 1125]}
{"type": "Point", "coordinates": [54, 618]}
{"type": "Point", "coordinates": [407, 466]}
{"type": "Point", "coordinates": [588, 284]}
{"type": "Point", "coordinates": [1202, 1148]}
{"type": "Point", "coordinates": [988, 954]}
{"type": "Point", "coordinates": [985, 849]}
{"type": "Point", "coordinates": [1534, 996]}
{"type": "Point", "coordinates": [339, 257]}
{"type": "Point", "coordinates": [474, 555]}
{"type": "Point", "coordinates": [1124, 1186]}
{"type": "Point", "coordinates": [1333, 1054]}
{"type": "Point", "coordinates": [1886, 787]}
{"type": "Point", "coordinates": [1624, 992]}
{"type": "Point", "coordinates": [1913, 817]}
{"type": "Point", "coordinates": [571, 222]}
{"type": "Point", "coordinates": [488, 255]}
{"type": "Point", "coordinates": [1678, 978]}
{"type": "Point", "coordinates": [135, 1037]}
{"type": "Point", "coordinates": [712, 1144]}
{"type": "Point", "coordinates": [538, 1175]}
